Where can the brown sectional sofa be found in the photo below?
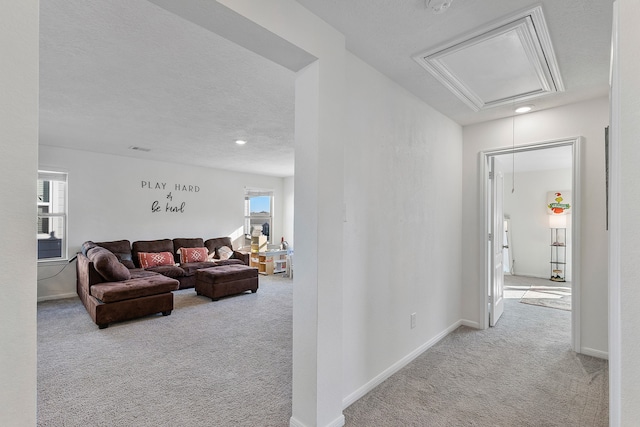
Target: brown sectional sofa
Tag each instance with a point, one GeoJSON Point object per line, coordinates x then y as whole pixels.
{"type": "Point", "coordinates": [113, 287]}
{"type": "Point", "coordinates": [185, 273]}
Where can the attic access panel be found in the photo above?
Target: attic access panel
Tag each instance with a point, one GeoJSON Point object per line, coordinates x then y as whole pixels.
{"type": "Point", "coordinates": [508, 62]}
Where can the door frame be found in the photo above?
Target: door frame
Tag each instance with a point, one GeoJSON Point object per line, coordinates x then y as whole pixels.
{"type": "Point", "coordinates": [485, 209]}
{"type": "Point", "coordinates": [496, 228]}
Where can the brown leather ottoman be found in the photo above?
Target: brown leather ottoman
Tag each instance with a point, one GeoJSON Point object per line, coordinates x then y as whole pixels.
{"type": "Point", "coordinates": [223, 280]}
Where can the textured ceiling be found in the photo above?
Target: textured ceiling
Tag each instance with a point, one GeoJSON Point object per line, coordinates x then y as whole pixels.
{"type": "Point", "coordinates": [387, 33]}
{"type": "Point", "coordinates": [121, 73]}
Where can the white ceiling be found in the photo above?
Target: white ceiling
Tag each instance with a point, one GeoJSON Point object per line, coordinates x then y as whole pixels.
{"type": "Point", "coordinates": [387, 33]}
{"type": "Point", "coordinates": [121, 73]}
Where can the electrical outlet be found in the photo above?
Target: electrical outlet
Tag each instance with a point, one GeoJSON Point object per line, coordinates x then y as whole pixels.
{"type": "Point", "coordinates": [413, 320]}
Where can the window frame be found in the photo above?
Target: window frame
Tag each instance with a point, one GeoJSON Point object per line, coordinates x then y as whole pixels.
{"type": "Point", "coordinates": [250, 219]}
{"type": "Point", "coordinates": [58, 203]}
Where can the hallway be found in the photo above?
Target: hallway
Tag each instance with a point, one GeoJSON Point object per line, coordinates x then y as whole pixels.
{"type": "Point", "coordinates": [520, 373]}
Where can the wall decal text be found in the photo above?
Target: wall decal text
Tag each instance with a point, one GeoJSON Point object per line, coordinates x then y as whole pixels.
{"type": "Point", "coordinates": [169, 206]}
{"type": "Point", "coordinates": [151, 185]}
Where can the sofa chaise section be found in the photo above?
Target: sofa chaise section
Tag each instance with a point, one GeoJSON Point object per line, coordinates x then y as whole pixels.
{"type": "Point", "coordinates": [112, 293]}
{"type": "Point", "coordinates": [114, 286]}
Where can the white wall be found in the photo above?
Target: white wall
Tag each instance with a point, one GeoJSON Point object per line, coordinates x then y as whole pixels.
{"type": "Point", "coordinates": [288, 209]}
{"type": "Point", "coordinates": [111, 197]}
{"type": "Point", "coordinates": [402, 235]}
{"type": "Point", "coordinates": [18, 41]}
{"type": "Point", "coordinates": [526, 208]}
{"type": "Point", "coordinates": [626, 126]}
{"type": "Point", "coordinates": [18, 164]}
{"type": "Point", "coordinates": [587, 119]}
{"type": "Point", "coordinates": [319, 140]}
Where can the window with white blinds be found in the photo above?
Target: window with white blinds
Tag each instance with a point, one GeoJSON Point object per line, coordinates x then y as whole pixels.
{"type": "Point", "coordinates": [52, 215]}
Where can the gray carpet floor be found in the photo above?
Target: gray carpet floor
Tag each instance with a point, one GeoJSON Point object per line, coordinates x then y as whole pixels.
{"type": "Point", "coordinates": [223, 363]}
{"type": "Point", "coordinates": [228, 363]}
{"type": "Point", "coordinates": [520, 373]}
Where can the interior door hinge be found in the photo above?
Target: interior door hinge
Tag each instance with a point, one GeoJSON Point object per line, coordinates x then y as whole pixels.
{"type": "Point", "coordinates": [491, 175]}
{"type": "Point", "coordinates": [490, 237]}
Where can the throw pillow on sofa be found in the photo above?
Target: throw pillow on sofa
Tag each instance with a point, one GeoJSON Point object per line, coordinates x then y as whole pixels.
{"type": "Point", "coordinates": [190, 255]}
{"type": "Point", "coordinates": [152, 259]}
{"type": "Point", "coordinates": [121, 249]}
{"type": "Point", "coordinates": [107, 265]}
{"type": "Point", "coordinates": [224, 252]}
{"type": "Point", "coordinates": [125, 259]}
{"type": "Point", "coordinates": [86, 247]}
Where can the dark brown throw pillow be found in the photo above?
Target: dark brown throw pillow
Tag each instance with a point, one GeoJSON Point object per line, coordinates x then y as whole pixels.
{"type": "Point", "coordinates": [107, 265]}
{"type": "Point", "coordinates": [87, 246]}
{"type": "Point", "coordinates": [125, 259]}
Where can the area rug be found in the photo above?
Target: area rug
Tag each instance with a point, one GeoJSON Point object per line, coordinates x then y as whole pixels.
{"type": "Point", "coordinates": [548, 296]}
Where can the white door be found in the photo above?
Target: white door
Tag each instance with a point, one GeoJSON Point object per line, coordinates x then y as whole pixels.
{"type": "Point", "coordinates": [497, 246]}
{"type": "Point", "coordinates": [507, 259]}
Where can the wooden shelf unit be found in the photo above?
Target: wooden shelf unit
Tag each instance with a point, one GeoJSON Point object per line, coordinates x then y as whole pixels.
{"type": "Point", "coordinates": [258, 245]}
{"type": "Point", "coordinates": [270, 262]}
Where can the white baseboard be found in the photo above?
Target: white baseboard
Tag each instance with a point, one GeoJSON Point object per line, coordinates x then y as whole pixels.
{"type": "Point", "coordinates": [594, 353]}
{"type": "Point", "coordinates": [55, 297]}
{"type": "Point", "coordinates": [359, 393]}
{"type": "Point", "coordinates": [470, 324]}
{"type": "Point", "coordinates": [338, 422]}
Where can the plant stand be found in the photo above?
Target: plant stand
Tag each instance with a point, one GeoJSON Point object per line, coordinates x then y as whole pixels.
{"type": "Point", "coordinates": [558, 254]}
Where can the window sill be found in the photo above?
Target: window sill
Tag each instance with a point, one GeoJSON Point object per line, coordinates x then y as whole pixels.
{"type": "Point", "coordinates": [52, 262]}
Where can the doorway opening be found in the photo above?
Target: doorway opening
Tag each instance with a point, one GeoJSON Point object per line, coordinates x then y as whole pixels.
{"type": "Point", "coordinates": [518, 241]}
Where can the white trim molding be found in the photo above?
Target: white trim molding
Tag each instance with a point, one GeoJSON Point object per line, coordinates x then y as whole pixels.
{"type": "Point", "coordinates": [381, 377]}
{"type": "Point", "coordinates": [576, 253]}
{"type": "Point", "coordinates": [470, 324]}
{"type": "Point", "coordinates": [594, 353]}
{"type": "Point", "coordinates": [338, 422]}
{"type": "Point", "coordinates": [523, 36]}
{"type": "Point", "coordinates": [56, 297]}
{"type": "Point", "coordinates": [484, 157]}
{"type": "Point", "coordinates": [615, 327]}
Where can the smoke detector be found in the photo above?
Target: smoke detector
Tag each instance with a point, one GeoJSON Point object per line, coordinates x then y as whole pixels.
{"type": "Point", "coordinates": [438, 6]}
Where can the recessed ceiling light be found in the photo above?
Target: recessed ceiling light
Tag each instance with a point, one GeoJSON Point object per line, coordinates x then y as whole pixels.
{"type": "Point", "coordinates": [240, 141]}
{"type": "Point", "coordinates": [524, 109]}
